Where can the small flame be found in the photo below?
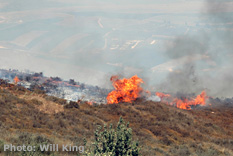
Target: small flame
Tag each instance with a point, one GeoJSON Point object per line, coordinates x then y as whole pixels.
{"type": "Point", "coordinates": [16, 80]}
{"type": "Point", "coordinates": [162, 95]}
{"type": "Point", "coordinates": [90, 103]}
{"type": "Point", "coordinates": [184, 103]}
{"type": "Point", "coordinates": [126, 90]}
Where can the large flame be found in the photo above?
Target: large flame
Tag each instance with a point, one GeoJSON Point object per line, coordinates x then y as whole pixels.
{"type": "Point", "coordinates": [184, 103]}
{"type": "Point", "coordinates": [126, 90]}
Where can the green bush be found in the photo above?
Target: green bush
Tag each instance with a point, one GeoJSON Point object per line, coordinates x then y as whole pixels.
{"type": "Point", "coordinates": [115, 142]}
{"type": "Point", "coordinates": [1, 146]}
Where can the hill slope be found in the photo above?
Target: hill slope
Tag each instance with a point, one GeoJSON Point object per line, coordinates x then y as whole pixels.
{"type": "Point", "coordinates": [160, 129]}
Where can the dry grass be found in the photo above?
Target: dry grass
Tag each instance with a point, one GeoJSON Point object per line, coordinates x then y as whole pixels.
{"type": "Point", "coordinates": [160, 129]}
{"type": "Point", "coordinates": [43, 105]}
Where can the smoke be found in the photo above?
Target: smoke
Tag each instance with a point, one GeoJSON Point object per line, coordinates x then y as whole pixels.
{"type": "Point", "coordinates": [188, 51]}
{"type": "Point", "coordinates": [184, 80]}
{"type": "Point", "coordinates": [221, 13]}
{"type": "Point", "coordinates": [154, 98]}
{"type": "Point", "coordinates": [207, 56]}
{"type": "Point", "coordinates": [186, 46]}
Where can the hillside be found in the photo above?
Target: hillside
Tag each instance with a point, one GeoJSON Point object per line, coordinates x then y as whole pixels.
{"type": "Point", "coordinates": [34, 117]}
{"type": "Point", "coordinates": [70, 90]}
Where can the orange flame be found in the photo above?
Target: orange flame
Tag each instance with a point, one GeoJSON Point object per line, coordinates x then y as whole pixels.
{"type": "Point", "coordinates": [16, 80]}
{"type": "Point", "coordinates": [90, 103]}
{"type": "Point", "coordinates": [126, 90]}
{"type": "Point", "coordinates": [162, 95]}
{"type": "Point", "coordinates": [185, 103]}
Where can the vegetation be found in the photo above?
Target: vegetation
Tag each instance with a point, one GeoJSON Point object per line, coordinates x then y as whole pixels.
{"type": "Point", "coordinates": [159, 128]}
{"type": "Point", "coordinates": [115, 142]}
{"type": "Point", "coordinates": [32, 140]}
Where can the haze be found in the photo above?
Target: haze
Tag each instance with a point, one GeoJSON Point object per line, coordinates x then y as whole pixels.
{"type": "Point", "coordinates": [91, 40]}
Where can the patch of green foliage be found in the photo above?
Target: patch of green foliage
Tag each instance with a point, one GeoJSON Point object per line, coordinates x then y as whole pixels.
{"type": "Point", "coordinates": [114, 142]}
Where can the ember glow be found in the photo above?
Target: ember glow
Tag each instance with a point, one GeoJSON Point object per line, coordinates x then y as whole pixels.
{"type": "Point", "coordinates": [126, 90]}
{"type": "Point", "coordinates": [184, 103]}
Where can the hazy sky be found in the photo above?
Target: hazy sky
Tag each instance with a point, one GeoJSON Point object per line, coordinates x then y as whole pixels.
{"type": "Point", "coordinates": [92, 40]}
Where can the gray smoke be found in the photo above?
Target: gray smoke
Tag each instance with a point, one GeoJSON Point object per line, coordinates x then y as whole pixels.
{"type": "Point", "coordinates": [207, 55]}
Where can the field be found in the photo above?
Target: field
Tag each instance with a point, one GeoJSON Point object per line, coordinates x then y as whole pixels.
{"type": "Point", "coordinates": [32, 117]}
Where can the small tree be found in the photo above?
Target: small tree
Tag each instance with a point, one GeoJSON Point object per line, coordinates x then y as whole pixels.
{"type": "Point", "coordinates": [115, 142]}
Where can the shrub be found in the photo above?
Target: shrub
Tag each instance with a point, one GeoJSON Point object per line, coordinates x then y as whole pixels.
{"type": "Point", "coordinates": [180, 150]}
{"type": "Point", "coordinates": [1, 146]}
{"type": "Point", "coordinates": [35, 101]}
{"type": "Point", "coordinates": [116, 142]}
{"type": "Point", "coordinates": [32, 140]}
{"type": "Point", "coordinates": [56, 100]}
{"type": "Point", "coordinates": [72, 104]}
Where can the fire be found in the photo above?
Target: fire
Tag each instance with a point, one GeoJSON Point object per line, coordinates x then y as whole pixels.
{"type": "Point", "coordinates": [126, 90]}
{"type": "Point", "coordinates": [90, 103]}
{"type": "Point", "coordinates": [16, 80]}
{"type": "Point", "coordinates": [162, 95]}
{"type": "Point", "coordinates": [184, 103]}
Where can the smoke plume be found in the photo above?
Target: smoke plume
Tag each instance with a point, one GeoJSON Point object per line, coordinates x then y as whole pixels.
{"type": "Point", "coordinates": [207, 55]}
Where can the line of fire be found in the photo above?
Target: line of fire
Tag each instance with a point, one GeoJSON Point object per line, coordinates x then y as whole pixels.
{"type": "Point", "coordinates": [126, 90]}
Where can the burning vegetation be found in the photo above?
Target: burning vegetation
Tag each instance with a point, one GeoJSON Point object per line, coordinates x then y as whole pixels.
{"type": "Point", "coordinates": [70, 90]}
{"type": "Point", "coordinates": [184, 102]}
{"type": "Point", "coordinates": [126, 90]}
{"type": "Point", "coordinates": [159, 124]}
{"type": "Point", "coordinates": [16, 80]}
